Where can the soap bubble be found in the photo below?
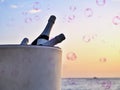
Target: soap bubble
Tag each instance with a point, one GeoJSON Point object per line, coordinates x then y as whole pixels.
{"type": "Point", "coordinates": [100, 2]}
{"type": "Point", "coordinates": [103, 59]}
{"type": "Point", "coordinates": [86, 38]}
{"type": "Point", "coordinates": [106, 84]}
{"type": "Point", "coordinates": [116, 20]}
{"type": "Point", "coordinates": [28, 20]}
{"type": "Point", "coordinates": [72, 8]}
{"type": "Point", "coordinates": [71, 56]}
{"type": "Point", "coordinates": [88, 12]}
{"type": "Point", "coordinates": [36, 6]}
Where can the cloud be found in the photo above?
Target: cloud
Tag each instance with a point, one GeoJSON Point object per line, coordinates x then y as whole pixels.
{"type": "Point", "coordinates": [13, 6]}
{"type": "Point", "coordinates": [32, 11]}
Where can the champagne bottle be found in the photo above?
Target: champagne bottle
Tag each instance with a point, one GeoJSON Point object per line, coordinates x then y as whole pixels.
{"type": "Point", "coordinates": [59, 38]}
{"type": "Point", "coordinates": [44, 36]}
{"type": "Point", "coordinates": [24, 41]}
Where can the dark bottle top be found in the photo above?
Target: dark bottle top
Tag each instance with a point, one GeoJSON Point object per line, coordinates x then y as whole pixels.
{"type": "Point", "coordinates": [59, 38]}
{"type": "Point", "coordinates": [44, 36]}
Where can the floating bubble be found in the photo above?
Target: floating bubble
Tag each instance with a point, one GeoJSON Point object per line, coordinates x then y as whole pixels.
{"type": "Point", "coordinates": [88, 12]}
{"type": "Point", "coordinates": [30, 17]}
{"type": "Point", "coordinates": [37, 17]}
{"type": "Point", "coordinates": [69, 18]}
{"type": "Point", "coordinates": [86, 38]}
{"type": "Point", "coordinates": [36, 6]}
{"type": "Point", "coordinates": [71, 81]}
{"type": "Point", "coordinates": [71, 56]}
{"type": "Point", "coordinates": [72, 17]}
{"type": "Point", "coordinates": [94, 36]}
{"type": "Point", "coordinates": [116, 20]}
{"type": "Point", "coordinates": [103, 59]}
{"type": "Point", "coordinates": [28, 20]}
{"type": "Point", "coordinates": [106, 84]}
{"type": "Point", "coordinates": [100, 2]}
{"type": "Point", "coordinates": [72, 8]}
{"type": "Point", "coordinates": [24, 13]}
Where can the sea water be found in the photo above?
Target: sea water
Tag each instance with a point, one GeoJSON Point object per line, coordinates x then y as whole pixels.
{"type": "Point", "coordinates": [90, 84]}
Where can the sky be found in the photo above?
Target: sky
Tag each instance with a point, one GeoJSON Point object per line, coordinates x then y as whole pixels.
{"type": "Point", "coordinates": [91, 27]}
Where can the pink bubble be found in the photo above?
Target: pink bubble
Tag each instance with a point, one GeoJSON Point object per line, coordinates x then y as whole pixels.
{"type": "Point", "coordinates": [24, 13]}
{"type": "Point", "coordinates": [72, 8]}
{"type": "Point", "coordinates": [37, 17]}
{"type": "Point", "coordinates": [28, 20]}
{"type": "Point", "coordinates": [116, 20]}
{"type": "Point", "coordinates": [70, 18]}
{"type": "Point", "coordinates": [71, 56]}
{"type": "Point", "coordinates": [106, 84]}
{"type": "Point", "coordinates": [71, 81]}
{"type": "Point", "coordinates": [36, 6]}
{"type": "Point", "coordinates": [100, 2]}
{"type": "Point", "coordinates": [94, 36]}
{"type": "Point", "coordinates": [88, 12]}
{"type": "Point", "coordinates": [86, 38]}
{"type": "Point", "coordinates": [103, 59]}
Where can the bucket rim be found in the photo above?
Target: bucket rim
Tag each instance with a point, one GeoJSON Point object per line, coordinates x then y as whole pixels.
{"type": "Point", "coordinates": [27, 46]}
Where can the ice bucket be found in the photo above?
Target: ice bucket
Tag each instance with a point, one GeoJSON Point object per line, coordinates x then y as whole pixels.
{"type": "Point", "coordinates": [30, 67]}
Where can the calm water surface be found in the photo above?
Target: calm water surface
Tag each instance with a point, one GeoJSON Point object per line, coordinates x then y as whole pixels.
{"type": "Point", "coordinates": [90, 83]}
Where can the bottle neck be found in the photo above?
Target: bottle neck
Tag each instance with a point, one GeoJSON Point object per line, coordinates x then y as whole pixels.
{"type": "Point", "coordinates": [47, 29]}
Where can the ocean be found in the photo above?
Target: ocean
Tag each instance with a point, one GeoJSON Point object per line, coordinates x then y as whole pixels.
{"type": "Point", "coordinates": [90, 84]}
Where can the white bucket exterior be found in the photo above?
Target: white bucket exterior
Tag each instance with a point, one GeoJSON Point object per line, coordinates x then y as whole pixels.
{"type": "Point", "coordinates": [30, 67]}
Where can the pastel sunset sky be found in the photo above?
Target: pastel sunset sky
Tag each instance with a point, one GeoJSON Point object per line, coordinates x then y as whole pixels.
{"type": "Point", "coordinates": [91, 27]}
